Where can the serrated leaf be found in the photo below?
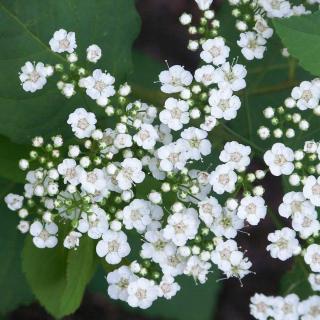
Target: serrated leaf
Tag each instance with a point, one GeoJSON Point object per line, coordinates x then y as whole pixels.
{"type": "Point", "coordinates": [14, 290]}
{"type": "Point", "coordinates": [26, 28]}
{"type": "Point", "coordinates": [301, 35]}
{"type": "Point", "coordinates": [58, 277]}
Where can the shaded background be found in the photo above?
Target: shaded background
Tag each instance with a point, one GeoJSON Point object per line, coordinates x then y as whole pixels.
{"type": "Point", "coordinates": [163, 38]}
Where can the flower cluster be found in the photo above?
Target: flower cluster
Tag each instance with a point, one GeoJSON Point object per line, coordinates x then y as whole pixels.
{"type": "Point", "coordinates": [253, 22]}
{"type": "Point", "coordinates": [187, 218]}
{"type": "Point", "coordinates": [289, 307]}
{"type": "Point", "coordinates": [286, 120]}
{"type": "Point", "coordinates": [140, 179]}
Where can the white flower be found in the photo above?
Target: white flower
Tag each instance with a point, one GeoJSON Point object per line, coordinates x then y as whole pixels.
{"type": "Point", "coordinates": [222, 253]}
{"type": "Point", "coordinates": [172, 156]}
{"type": "Point", "coordinates": [197, 143]}
{"type": "Point", "coordinates": [227, 224]}
{"type": "Point", "coordinates": [231, 76]}
{"type": "Point", "coordinates": [279, 159]}
{"type": "Point", "coordinates": [70, 171]}
{"type": "Point", "coordinates": [68, 90]}
{"type": "Point", "coordinates": [175, 79]}
{"type": "Point", "coordinates": [168, 288]}
{"type": "Point", "coordinates": [306, 223]}
{"type": "Point", "coordinates": [82, 123]}
{"type": "Point", "coordinates": [311, 190]}
{"type": "Point", "coordinates": [33, 77]}
{"type": "Point", "coordinates": [173, 265]}
{"type": "Point", "coordinates": [314, 280]}
{"type": "Point", "coordinates": [252, 208]}
{"type": "Point", "coordinates": [261, 306]}
{"type": "Point", "coordinates": [306, 95]}
{"type": "Point", "coordinates": [224, 104]}
{"type": "Point", "coordinates": [99, 86]}
{"type": "Point", "coordinates": [44, 236]}
{"type": "Point", "coordinates": [130, 173]}
{"type": "Point", "coordinates": [209, 123]}
{"type": "Point", "coordinates": [92, 181]}
{"type": "Point", "coordinates": [205, 75]}
{"type": "Point", "coordinates": [142, 293]}
{"type": "Point", "coordinates": [137, 215]}
{"type": "Point", "coordinates": [122, 140]}
{"type": "Point", "coordinates": [157, 248]}
{"type": "Point", "coordinates": [215, 51]}
{"type": "Point", "coordinates": [209, 210]}
{"type": "Point", "coordinates": [276, 8]}
{"type": "Point", "coordinates": [14, 201]}
{"type": "Point", "coordinates": [94, 224]}
{"type": "Point", "coordinates": [119, 281]}
{"type": "Point", "coordinates": [23, 226]}
{"type": "Point", "coordinates": [294, 203]}
{"type": "Point", "coordinates": [312, 257]}
{"type": "Point", "coordinates": [113, 246]}
{"type": "Point", "coordinates": [309, 309]}
{"type": "Point", "coordinates": [286, 308]}
{"type": "Point", "coordinates": [204, 4]}
{"type": "Point", "coordinates": [197, 268]}
{"type": "Point", "coordinates": [182, 226]}
{"type": "Point", "coordinates": [262, 27]}
{"type": "Point", "coordinates": [236, 155]}
{"type": "Point", "coordinates": [175, 114]}
{"type": "Point", "coordinates": [310, 146]}
{"type": "Point", "coordinates": [72, 240]}
{"type": "Point", "coordinates": [239, 265]}
{"type": "Point", "coordinates": [252, 44]}
{"type": "Point", "coordinates": [283, 244]}
{"type": "Point", "coordinates": [94, 53]}
{"type": "Point", "coordinates": [223, 179]}
{"type": "Point", "coordinates": [146, 137]}
{"type": "Point", "coordinates": [63, 41]}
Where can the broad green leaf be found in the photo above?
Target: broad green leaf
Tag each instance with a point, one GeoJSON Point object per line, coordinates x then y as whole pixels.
{"type": "Point", "coordinates": [296, 280]}
{"type": "Point", "coordinates": [301, 35]}
{"type": "Point", "coordinates": [58, 277]}
{"type": "Point", "coordinates": [26, 28]}
{"type": "Point", "coordinates": [14, 290]}
{"type": "Point", "coordinates": [9, 159]}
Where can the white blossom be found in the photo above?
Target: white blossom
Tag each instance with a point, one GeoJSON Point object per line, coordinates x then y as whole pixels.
{"type": "Point", "coordinates": [215, 51]}
{"type": "Point", "coordinates": [175, 79]}
{"type": "Point", "coordinates": [63, 41]}
{"type": "Point", "coordinates": [82, 123]}
{"type": "Point", "coordinates": [44, 236]}
{"type": "Point", "coordinates": [113, 246]}
{"type": "Point", "coordinates": [279, 159]}
{"type": "Point", "coordinates": [283, 244]}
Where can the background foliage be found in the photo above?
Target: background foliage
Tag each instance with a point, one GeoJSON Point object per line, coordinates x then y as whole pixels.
{"type": "Point", "coordinates": [59, 278]}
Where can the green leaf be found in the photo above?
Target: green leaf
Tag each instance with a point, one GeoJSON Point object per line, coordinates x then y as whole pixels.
{"type": "Point", "coordinates": [14, 290]}
{"type": "Point", "coordinates": [301, 35]}
{"type": "Point", "coordinates": [9, 160]}
{"type": "Point", "coordinates": [58, 277]}
{"type": "Point", "coordinates": [26, 28]}
{"type": "Point", "coordinates": [296, 280]}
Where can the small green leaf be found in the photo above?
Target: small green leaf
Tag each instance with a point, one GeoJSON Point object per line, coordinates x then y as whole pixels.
{"type": "Point", "coordinates": [301, 35]}
{"type": "Point", "coordinates": [58, 277]}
